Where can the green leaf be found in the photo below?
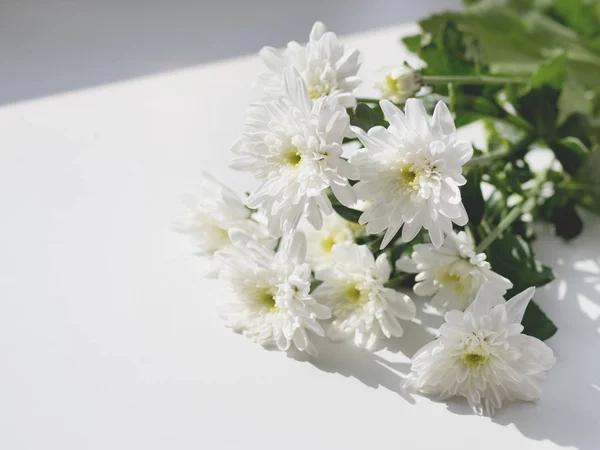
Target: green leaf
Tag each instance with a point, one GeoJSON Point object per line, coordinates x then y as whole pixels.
{"type": "Point", "coordinates": [512, 257]}
{"type": "Point", "coordinates": [573, 99]}
{"type": "Point", "coordinates": [579, 15]}
{"type": "Point", "coordinates": [413, 43]}
{"type": "Point", "coordinates": [315, 284]}
{"type": "Point", "coordinates": [536, 323]}
{"type": "Point", "coordinates": [577, 125]}
{"type": "Point", "coordinates": [518, 41]}
{"type": "Point", "coordinates": [540, 108]}
{"type": "Point", "coordinates": [446, 49]}
{"type": "Point", "coordinates": [567, 222]}
{"type": "Point", "coordinates": [472, 196]}
{"type": "Point", "coordinates": [587, 182]}
{"type": "Point", "coordinates": [366, 117]}
{"type": "Point", "coordinates": [571, 153]}
{"type": "Point", "coordinates": [509, 177]}
{"type": "Point", "coordinates": [469, 108]}
{"type": "Point", "coordinates": [551, 73]}
{"type": "Point", "coordinates": [351, 215]}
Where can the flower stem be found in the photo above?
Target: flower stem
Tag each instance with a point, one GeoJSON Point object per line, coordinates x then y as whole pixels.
{"type": "Point", "coordinates": [523, 207]}
{"type": "Point", "coordinates": [476, 79]}
{"type": "Point", "coordinates": [484, 159]}
{"type": "Point", "coordinates": [516, 151]}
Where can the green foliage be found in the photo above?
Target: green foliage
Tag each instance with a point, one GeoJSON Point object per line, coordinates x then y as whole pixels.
{"type": "Point", "coordinates": [536, 323]}
{"type": "Point", "coordinates": [351, 215]}
{"type": "Point", "coordinates": [571, 153]}
{"type": "Point", "coordinates": [367, 117]}
{"type": "Point", "coordinates": [473, 197]}
{"type": "Point", "coordinates": [586, 183]}
{"type": "Point", "coordinates": [513, 257]}
{"type": "Point", "coordinates": [551, 49]}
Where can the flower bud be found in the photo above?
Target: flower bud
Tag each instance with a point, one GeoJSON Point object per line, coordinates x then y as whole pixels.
{"type": "Point", "coordinates": [399, 84]}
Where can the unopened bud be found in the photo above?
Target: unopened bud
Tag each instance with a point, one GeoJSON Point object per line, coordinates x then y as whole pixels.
{"type": "Point", "coordinates": [399, 84]}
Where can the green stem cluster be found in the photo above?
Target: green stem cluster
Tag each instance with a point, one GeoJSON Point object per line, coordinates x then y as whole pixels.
{"type": "Point", "coordinates": [522, 208]}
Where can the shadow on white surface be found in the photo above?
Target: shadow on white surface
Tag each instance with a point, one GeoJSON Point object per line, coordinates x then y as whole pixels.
{"type": "Point", "coordinates": [52, 46]}
{"type": "Point", "coordinates": [369, 368]}
{"type": "Point", "coordinates": [572, 301]}
{"type": "Point", "coordinates": [387, 367]}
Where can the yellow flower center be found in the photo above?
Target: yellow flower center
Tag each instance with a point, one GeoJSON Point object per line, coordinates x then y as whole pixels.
{"type": "Point", "coordinates": [328, 243]}
{"type": "Point", "coordinates": [266, 297]}
{"type": "Point", "coordinates": [315, 92]}
{"type": "Point", "coordinates": [319, 89]}
{"type": "Point", "coordinates": [474, 359]}
{"type": "Point", "coordinates": [391, 83]}
{"type": "Point", "coordinates": [457, 276]}
{"type": "Point", "coordinates": [353, 293]}
{"type": "Point", "coordinates": [292, 157]}
{"type": "Point", "coordinates": [409, 177]}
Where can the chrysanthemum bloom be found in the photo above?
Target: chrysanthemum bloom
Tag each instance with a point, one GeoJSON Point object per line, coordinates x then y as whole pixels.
{"type": "Point", "coordinates": [482, 355]}
{"type": "Point", "coordinates": [323, 63]}
{"type": "Point", "coordinates": [211, 215]}
{"type": "Point", "coordinates": [399, 84]}
{"type": "Point", "coordinates": [411, 173]}
{"type": "Point", "coordinates": [335, 230]}
{"type": "Point", "coordinates": [362, 307]}
{"type": "Point", "coordinates": [273, 305]}
{"type": "Point", "coordinates": [294, 146]}
{"type": "Point", "coordinates": [453, 273]}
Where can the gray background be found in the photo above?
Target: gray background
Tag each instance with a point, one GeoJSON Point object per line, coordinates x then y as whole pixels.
{"type": "Point", "coordinates": [52, 46]}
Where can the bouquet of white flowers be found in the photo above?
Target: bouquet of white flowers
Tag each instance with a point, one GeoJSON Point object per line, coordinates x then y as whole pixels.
{"type": "Point", "coordinates": [363, 200]}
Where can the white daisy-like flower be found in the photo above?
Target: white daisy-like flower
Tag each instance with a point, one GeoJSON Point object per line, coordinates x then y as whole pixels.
{"type": "Point", "coordinates": [453, 273]}
{"type": "Point", "coordinates": [411, 173]}
{"type": "Point", "coordinates": [481, 355]}
{"type": "Point", "coordinates": [399, 84]}
{"type": "Point", "coordinates": [294, 146]}
{"type": "Point", "coordinates": [273, 304]}
{"type": "Point", "coordinates": [323, 63]}
{"type": "Point", "coordinates": [335, 230]}
{"type": "Point", "coordinates": [212, 213]}
{"type": "Point", "coordinates": [362, 307]}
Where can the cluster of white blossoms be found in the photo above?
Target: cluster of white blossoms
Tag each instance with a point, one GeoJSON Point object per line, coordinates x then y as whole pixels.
{"type": "Point", "coordinates": [304, 252]}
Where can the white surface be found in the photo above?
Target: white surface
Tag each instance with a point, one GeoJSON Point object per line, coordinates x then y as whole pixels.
{"type": "Point", "coordinates": [108, 336]}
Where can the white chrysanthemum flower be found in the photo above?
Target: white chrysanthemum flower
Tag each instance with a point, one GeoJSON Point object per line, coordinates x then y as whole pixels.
{"type": "Point", "coordinates": [411, 172]}
{"type": "Point", "coordinates": [273, 305]}
{"type": "Point", "coordinates": [399, 84]}
{"type": "Point", "coordinates": [361, 305]}
{"type": "Point", "coordinates": [324, 65]}
{"type": "Point", "coordinates": [335, 230]}
{"type": "Point", "coordinates": [482, 355]}
{"type": "Point", "coordinates": [294, 146]}
{"type": "Point", "coordinates": [453, 273]}
{"type": "Point", "coordinates": [212, 213]}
